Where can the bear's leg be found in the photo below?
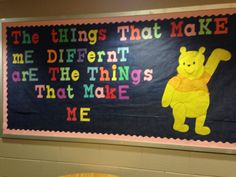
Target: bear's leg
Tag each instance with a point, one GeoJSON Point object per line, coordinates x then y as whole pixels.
{"type": "Point", "coordinates": [200, 128]}
{"type": "Point", "coordinates": [179, 112]}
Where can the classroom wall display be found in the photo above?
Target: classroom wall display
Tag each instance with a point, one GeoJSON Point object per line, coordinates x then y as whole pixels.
{"type": "Point", "coordinates": [159, 79]}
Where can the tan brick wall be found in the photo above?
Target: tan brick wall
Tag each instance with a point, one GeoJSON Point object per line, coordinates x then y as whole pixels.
{"type": "Point", "coordinates": [25, 158]}
{"type": "Point", "coordinates": [29, 8]}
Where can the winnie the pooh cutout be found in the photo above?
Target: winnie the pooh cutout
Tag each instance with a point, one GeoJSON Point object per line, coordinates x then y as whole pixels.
{"type": "Point", "coordinates": [187, 92]}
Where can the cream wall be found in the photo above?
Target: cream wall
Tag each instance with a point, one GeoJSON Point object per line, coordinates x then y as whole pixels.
{"type": "Point", "coordinates": [25, 158]}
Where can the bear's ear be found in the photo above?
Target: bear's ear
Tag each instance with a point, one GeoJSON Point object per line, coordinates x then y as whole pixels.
{"type": "Point", "coordinates": [182, 49]}
{"type": "Point", "coordinates": [202, 50]}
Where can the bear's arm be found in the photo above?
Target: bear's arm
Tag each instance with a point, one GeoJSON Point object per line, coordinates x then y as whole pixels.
{"type": "Point", "coordinates": [172, 84]}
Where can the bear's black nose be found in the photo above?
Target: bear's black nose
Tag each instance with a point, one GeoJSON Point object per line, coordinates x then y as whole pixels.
{"type": "Point", "coordinates": [189, 65]}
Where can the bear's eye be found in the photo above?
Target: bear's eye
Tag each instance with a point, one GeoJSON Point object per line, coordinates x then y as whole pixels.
{"type": "Point", "coordinates": [194, 62]}
{"type": "Point", "coordinates": [183, 63]}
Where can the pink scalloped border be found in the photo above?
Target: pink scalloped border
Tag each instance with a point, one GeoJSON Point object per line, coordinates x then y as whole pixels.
{"type": "Point", "coordinates": [4, 78]}
{"type": "Point", "coordinates": [100, 136]}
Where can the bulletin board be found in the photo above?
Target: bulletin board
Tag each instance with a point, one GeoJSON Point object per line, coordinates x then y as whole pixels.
{"type": "Point", "coordinates": [153, 79]}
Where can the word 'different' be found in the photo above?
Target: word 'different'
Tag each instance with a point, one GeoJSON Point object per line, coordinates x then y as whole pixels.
{"type": "Point", "coordinates": [80, 55]}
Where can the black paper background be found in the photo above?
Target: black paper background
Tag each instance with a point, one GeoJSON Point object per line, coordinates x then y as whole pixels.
{"type": "Point", "coordinates": [142, 114]}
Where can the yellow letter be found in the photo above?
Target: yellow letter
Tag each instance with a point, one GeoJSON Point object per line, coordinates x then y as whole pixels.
{"type": "Point", "coordinates": [83, 113]}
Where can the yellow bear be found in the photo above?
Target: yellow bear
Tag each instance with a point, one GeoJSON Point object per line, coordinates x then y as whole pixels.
{"type": "Point", "coordinates": [187, 92]}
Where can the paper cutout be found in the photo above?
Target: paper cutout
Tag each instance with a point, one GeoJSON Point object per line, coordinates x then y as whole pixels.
{"type": "Point", "coordinates": [187, 93]}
